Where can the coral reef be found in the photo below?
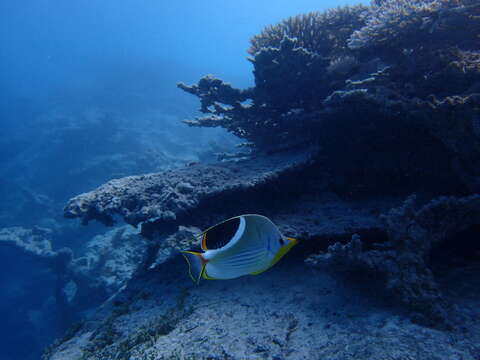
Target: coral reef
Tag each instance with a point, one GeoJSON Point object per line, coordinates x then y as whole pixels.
{"type": "Point", "coordinates": [174, 195]}
{"type": "Point", "coordinates": [431, 45]}
{"type": "Point", "coordinates": [52, 289]}
{"type": "Point", "coordinates": [309, 53]}
{"type": "Point", "coordinates": [272, 115]}
{"type": "Point", "coordinates": [398, 25]}
{"type": "Point", "coordinates": [342, 131]}
{"type": "Point", "coordinates": [35, 243]}
{"type": "Point", "coordinates": [407, 259]}
{"type": "Point", "coordinates": [363, 97]}
{"type": "Point", "coordinates": [325, 33]}
{"type": "Point", "coordinates": [32, 290]}
{"type": "Point", "coordinates": [186, 237]}
{"type": "Point", "coordinates": [303, 95]}
{"type": "Point", "coordinates": [109, 261]}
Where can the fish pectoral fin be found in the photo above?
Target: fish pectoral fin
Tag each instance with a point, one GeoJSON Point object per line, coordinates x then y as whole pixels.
{"type": "Point", "coordinates": [196, 265]}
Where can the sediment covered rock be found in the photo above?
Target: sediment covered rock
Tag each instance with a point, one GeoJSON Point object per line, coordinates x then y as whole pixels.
{"type": "Point", "coordinates": [170, 196]}
{"type": "Point", "coordinates": [109, 260]}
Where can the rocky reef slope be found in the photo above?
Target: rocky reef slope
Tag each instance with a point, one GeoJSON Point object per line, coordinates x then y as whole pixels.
{"type": "Point", "coordinates": [363, 142]}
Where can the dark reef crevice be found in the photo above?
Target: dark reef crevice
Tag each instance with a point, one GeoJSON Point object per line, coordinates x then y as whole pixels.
{"type": "Point", "coordinates": [460, 249]}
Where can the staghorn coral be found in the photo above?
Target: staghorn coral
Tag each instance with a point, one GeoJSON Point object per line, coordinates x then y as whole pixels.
{"type": "Point", "coordinates": [324, 33]}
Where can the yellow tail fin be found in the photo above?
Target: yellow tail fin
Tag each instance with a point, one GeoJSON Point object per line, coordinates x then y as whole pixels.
{"type": "Point", "coordinates": [196, 265]}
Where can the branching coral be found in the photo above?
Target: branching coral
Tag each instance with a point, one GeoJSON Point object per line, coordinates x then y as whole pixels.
{"type": "Point", "coordinates": [291, 83]}
{"type": "Point", "coordinates": [287, 82]}
{"type": "Point", "coordinates": [303, 60]}
{"type": "Point", "coordinates": [213, 91]}
{"type": "Point", "coordinates": [297, 63]}
{"type": "Point", "coordinates": [405, 260]}
{"type": "Point", "coordinates": [223, 104]}
{"type": "Point", "coordinates": [399, 25]}
{"type": "Point", "coordinates": [320, 32]}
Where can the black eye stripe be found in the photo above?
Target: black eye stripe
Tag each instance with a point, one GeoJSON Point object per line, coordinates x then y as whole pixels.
{"type": "Point", "coordinates": [281, 241]}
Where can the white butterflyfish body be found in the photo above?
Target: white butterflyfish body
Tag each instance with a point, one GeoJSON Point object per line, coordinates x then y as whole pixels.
{"type": "Point", "coordinates": [242, 245]}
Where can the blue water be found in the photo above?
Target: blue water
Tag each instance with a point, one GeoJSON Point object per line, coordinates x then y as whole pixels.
{"type": "Point", "coordinates": [88, 94]}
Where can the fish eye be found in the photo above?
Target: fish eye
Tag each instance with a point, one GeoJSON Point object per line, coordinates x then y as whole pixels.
{"type": "Point", "coordinates": [281, 241]}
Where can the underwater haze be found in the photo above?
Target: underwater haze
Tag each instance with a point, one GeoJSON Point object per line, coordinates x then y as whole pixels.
{"type": "Point", "coordinates": [341, 140]}
{"type": "Point", "coordinates": [90, 51]}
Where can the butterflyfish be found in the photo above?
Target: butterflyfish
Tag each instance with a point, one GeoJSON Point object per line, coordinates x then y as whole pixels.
{"type": "Point", "coordinates": [242, 245]}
